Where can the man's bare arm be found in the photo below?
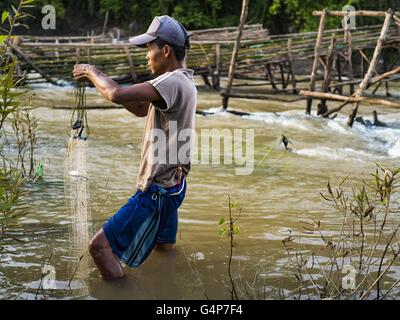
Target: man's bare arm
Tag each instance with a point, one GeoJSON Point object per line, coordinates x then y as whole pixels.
{"type": "Point", "coordinates": [134, 98]}
{"type": "Point", "coordinates": [138, 108]}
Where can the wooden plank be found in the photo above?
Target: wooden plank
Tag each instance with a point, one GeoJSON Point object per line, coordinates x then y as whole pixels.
{"type": "Point", "coordinates": [130, 63]}
{"type": "Point", "coordinates": [360, 13]}
{"type": "Point", "coordinates": [21, 54]}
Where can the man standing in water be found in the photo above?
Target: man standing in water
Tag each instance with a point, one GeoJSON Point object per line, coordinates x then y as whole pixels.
{"type": "Point", "coordinates": [150, 219]}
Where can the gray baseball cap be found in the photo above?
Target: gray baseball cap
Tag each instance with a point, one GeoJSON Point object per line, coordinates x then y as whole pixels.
{"type": "Point", "coordinates": [165, 28]}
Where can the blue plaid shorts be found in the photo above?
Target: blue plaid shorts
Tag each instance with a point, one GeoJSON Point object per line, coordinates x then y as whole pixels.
{"type": "Point", "coordinates": [147, 218]}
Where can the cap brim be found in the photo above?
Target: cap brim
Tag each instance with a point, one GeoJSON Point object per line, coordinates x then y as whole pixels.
{"type": "Point", "coordinates": [142, 40]}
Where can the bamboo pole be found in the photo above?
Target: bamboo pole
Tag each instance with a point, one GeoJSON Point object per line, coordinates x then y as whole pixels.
{"type": "Point", "coordinates": [271, 77]}
{"type": "Point", "coordinates": [105, 23]}
{"type": "Point", "coordinates": [317, 50]}
{"type": "Point", "coordinates": [78, 55]}
{"type": "Point", "coordinates": [327, 77]}
{"type": "Point", "coordinates": [290, 57]}
{"type": "Point", "coordinates": [360, 13]}
{"type": "Point", "coordinates": [235, 52]}
{"type": "Point", "coordinates": [261, 96]}
{"type": "Point", "coordinates": [283, 82]}
{"type": "Point", "coordinates": [339, 75]}
{"type": "Point", "coordinates": [349, 57]}
{"type": "Point", "coordinates": [130, 63]}
{"type": "Point", "coordinates": [217, 72]}
{"type": "Point", "coordinates": [56, 51]}
{"type": "Point", "coordinates": [20, 53]}
{"type": "Point", "coordinates": [353, 99]}
{"type": "Point", "coordinates": [383, 76]}
{"type": "Point", "coordinates": [372, 66]}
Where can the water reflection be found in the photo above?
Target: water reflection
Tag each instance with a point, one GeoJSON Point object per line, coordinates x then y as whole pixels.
{"type": "Point", "coordinates": [282, 192]}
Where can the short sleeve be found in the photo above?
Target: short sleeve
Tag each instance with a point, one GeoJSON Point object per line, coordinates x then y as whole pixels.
{"type": "Point", "coordinates": [167, 86]}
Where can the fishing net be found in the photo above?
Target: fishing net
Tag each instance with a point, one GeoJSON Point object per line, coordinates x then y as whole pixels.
{"type": "Point", "coordinates": [76, 184]}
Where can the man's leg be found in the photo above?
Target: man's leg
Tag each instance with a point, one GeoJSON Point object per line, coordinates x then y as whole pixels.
{"type": "Point", "coordinates": [106, 261]}
{"type": "Point", "coordinates": [165, 246]}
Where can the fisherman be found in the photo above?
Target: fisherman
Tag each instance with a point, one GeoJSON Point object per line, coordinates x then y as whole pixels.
{"type": "Point", "coordinates": [150, 219]}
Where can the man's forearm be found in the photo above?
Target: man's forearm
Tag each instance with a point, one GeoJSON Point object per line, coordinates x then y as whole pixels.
{"type": "Point", "coordinates": [105, 85]}
{"type": "Point", "coordinates": [135, 98]}
{"type": "Point", "coordinates": [108, 87]}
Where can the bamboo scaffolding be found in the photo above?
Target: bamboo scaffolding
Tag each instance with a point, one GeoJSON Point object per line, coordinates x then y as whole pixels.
{"type": "Point", "coordinates": [280, 59]}
{"type": "Point", "coordinates": [372, 65]}
{"type": "Point", "coordinates": [386, 38]}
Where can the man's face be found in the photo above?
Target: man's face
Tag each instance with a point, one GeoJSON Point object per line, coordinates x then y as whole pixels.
{"type": "Point", "coordinates": [156, 59]}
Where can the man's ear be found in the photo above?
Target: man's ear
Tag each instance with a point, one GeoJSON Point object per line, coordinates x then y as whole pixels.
{"type": "Point", "coordinates": [167, 50]}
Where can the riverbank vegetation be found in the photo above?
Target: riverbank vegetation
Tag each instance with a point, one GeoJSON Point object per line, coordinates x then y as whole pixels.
{"type": "Point", "coordinates": [17, 124]}
{"type": "Point", "coordinates": [361, 260]}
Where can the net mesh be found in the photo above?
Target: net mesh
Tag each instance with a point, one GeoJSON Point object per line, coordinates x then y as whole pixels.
{"type": "Point", "coordinates": [76, 186]}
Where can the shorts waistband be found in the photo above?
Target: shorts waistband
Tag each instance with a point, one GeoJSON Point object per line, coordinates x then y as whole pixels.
{"type": "Point", "coordinates": [170, 191]}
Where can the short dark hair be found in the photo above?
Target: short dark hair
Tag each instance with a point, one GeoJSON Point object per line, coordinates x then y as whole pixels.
{"type": "Point", "coordinates": [180, 52]}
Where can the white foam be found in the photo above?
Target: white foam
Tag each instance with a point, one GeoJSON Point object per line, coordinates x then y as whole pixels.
{"type": "Point", "coordinates": [337, 154]}
{"type": "Point", "coordinates": [339, 127]}
{"type": "Point", "coordinates": [218, 110]}
{"type": "Point", "coordinates": [394, 151]}
{"type": "Point", "coordinates": [372, 142]}
{"type": "Point", "coordinates": [384, 140]}
{"type": "Point", "coordinates": [287, 119]}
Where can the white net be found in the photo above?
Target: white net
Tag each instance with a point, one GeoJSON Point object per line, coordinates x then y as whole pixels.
{"type": "Point", "coordinates": [76, 184]}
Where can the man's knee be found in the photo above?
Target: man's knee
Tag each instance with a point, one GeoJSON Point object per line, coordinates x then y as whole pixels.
{"type": "Point", "coordinates": [98, 245]}
{"type": "Point", "coordinates": [94, 247]}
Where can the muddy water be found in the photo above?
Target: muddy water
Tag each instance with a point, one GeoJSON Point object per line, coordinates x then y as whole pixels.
{"type": "Point", "coordinates": [281, 192]}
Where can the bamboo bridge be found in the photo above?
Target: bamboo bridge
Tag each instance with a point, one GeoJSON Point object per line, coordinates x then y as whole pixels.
{"type": "Point", "coordinates": [288, 63]}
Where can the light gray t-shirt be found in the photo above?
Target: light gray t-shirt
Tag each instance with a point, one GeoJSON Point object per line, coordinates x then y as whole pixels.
{"type": "Point", "coordinates": [169, 131]}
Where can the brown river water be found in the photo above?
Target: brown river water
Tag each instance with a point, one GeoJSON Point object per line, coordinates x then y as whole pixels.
{"type": "Point", "coordinates": [281, 192]}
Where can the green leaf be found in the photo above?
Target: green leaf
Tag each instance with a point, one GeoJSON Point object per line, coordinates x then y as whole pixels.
{"type": "Point", "coordinates": [222, 221]}
{"type": "Point", "coordinates": [233, 204]}
{"type": "Point", "coordinates": [222, 232]}
{"type": "Point", "coordinates": [4, 16]}
{"type": "Point", "coordinates": [2, 39]}
{"type": "Point", "coordinates": [235, 229]}
{"type": "Point", "coordinates": [38, 171]}
{"type": "Point", "coordinates": [15, 10]}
